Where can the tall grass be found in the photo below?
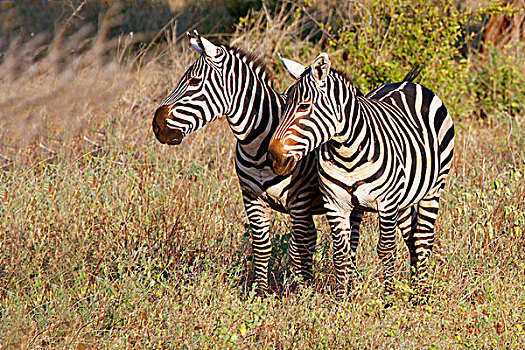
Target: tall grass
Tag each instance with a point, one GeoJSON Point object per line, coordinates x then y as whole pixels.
{"type": "Point", "coordinates": [109, 239]}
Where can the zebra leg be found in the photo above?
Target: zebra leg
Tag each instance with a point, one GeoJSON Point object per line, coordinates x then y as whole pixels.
{"type": "Point", "coordinates": [302, 245]}
{"type": "Point", "coordinates": [356, 216]}
{"type": "Point", "coordinates": [423, 239]}
{"type": "Point", "coordinates": [259, 218]}
{"type": "Point", "coordinates": [386, 247]}
{"type": "Point", "coordinates": [341, 236]}
{"type": "Point", "coordinates": [407, 223]}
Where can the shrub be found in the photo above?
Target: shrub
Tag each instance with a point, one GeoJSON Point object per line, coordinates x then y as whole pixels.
{"type": "Point", "coordinates": [498, 82]}
{"type": "Point", "coordinates": [377, 42]}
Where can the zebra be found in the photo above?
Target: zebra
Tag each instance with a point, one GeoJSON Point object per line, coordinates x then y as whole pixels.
{"type": "Point", "coordinates": [226, 81]}
{"type": "Point", "coordinates": [388, 152]}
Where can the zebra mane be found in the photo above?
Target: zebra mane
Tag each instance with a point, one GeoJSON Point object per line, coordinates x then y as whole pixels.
{"type": "Point", "coordinates": [342, 75]}
{"type": "Point", "coordinates": [253, 60]}
{"type": "Point", "coordinates": [338, 73]}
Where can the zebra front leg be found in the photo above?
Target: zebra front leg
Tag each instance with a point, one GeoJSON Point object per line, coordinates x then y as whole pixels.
{"type": "Point", "coordinates": [341, 236]}
{"type": "Point", "coordinates": [386, 247]}
{"type": "Point", "coordinates": [259, 218]}
{"type": "Point", "coordinates": [302, 244]}
{"type": "Point", "coordinates": [356, 216]}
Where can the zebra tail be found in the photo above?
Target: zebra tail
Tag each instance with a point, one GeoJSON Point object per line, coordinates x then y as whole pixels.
{"type": "Point", "coordinates": [413, 74]}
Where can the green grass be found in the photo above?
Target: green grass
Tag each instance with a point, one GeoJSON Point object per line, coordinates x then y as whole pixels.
{"type": "Point", "coordinates": [136, 244]}
{"type": "Point", "coordinates": [109, 239]}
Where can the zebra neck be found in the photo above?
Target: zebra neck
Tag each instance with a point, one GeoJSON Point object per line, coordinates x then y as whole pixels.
{"type": "Point", "coordinates": [357, 141]}
{"type": "Point", "coordinates": [255, 114]}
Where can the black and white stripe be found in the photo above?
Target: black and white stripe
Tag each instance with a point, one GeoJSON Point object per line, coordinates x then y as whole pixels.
{"type": "Point", "coordinates": [388, 152]}
{"type": "Point", "coordinates": [225, 81]}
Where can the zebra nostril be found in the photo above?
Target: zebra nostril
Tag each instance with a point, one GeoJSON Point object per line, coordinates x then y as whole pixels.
{"type": "Point", "coordinates": [156, 128]}
{"type": "Point", "coordinates": [176, 137]}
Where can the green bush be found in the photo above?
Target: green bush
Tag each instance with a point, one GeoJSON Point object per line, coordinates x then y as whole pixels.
{"type": "Point", "coordinates": [384, 39]}
{"type": "Point", "coordinates": [498, 82]}
{"type": "Point", "coordinates": [377, 42]}
{"type": "Point", "coordinates": [391, 35]}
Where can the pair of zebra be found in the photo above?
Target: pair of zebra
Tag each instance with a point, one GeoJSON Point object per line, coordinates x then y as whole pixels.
{"type": "Point", "coordinates": [322, 147]}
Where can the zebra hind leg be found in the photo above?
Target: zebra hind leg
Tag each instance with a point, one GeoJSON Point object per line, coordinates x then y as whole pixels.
{"type": "Point", "coordinates": [407, 223]}
{"type": "Point", "coordinates": [302, 245]}
{"type": "Point", "coordinates": [423, 242]}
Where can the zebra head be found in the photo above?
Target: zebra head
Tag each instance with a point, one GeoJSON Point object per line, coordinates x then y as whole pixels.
{"type": "Point", "coordinates": [310, 117]}
{"type": "Point", "coordinates": [198, 98]}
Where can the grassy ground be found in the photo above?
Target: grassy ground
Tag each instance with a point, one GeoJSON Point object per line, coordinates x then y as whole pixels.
{"type": "Point", "coordinates": [109, 239]}
{"type": "Point", "coordinates": [113, 240]}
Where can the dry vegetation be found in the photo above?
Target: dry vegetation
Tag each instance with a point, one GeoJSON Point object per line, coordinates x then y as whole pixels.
{"type": "Point", "coordinates": [109, 239]}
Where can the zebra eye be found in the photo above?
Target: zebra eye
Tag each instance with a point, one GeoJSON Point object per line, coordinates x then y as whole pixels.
{"type": "Point", "coordinates": [194, 81]}
{"type": "Point", "coordinates": [303, 107]}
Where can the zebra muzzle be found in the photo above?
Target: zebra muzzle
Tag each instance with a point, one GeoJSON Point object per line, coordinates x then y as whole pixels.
{"type": "Point", "coordinates": [161, 130]}
{"type": "Point", "coordinates": [281, 164]}
{"type": "Point", "coordinates": [176, 137]}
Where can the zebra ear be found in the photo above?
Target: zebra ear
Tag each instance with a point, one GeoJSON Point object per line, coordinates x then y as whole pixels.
{"type": "Point", "coordinates": [321, 67]}
{"type": "Point", "coordinates": [295, 69]}
{"type": "Point", "coordinates": [202, 45]}
{"type": "Point", "coordinates": [194, 42]}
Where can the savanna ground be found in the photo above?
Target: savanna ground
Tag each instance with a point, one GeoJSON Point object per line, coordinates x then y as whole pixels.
{"type": "Point", "coordinates": [109, 239]}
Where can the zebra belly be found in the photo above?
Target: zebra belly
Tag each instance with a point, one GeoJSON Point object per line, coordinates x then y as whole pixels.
{"type": "Point", "coordinates": [349, 190]}
{"type": "Point", "coordinates": [402, 182]}
{"type": "Point", "coordinates": [346, 190]}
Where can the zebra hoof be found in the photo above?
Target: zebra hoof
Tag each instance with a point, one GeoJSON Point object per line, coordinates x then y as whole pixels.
{"type": "Point", "coordinates": [261, 291]}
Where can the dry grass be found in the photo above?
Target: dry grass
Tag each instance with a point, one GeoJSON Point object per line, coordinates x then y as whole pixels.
{"type": "Point", "coordinates": [110, 240]}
